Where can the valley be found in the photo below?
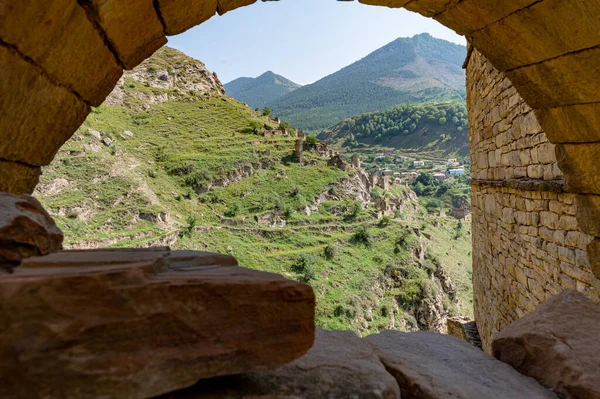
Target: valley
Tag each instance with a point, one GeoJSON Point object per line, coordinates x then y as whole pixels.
{"type": "Point", "coordinates": [170, 160]}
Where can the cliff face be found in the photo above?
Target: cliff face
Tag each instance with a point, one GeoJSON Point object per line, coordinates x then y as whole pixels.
{"type": "Point", "coordinates": [168, 75]}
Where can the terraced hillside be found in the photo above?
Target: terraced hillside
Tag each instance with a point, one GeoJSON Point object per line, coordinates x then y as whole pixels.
{"type": "Point", "coordinates": [170, 160]}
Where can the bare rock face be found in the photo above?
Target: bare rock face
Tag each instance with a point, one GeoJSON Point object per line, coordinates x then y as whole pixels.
{"type": "Point", "coordinates": [141, 323]}
{"type": "Point", "coordinates": [340, 365]}
{"type": "Point", "coordinates": [430, 365]}
{"type": "Point", "coordinates": [26, 229]}
{"type": "Point", "coordinates": [557, 344]}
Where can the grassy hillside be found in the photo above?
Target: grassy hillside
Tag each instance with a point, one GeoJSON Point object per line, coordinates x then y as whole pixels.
{"type": "Point", "coordinates": [260, 91]}
{"type": "Point", "coordinates": [197, 171]}
{"type": "Point", "coordinates": [408, 70]}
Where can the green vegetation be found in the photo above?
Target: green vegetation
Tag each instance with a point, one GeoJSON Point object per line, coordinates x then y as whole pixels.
{"type": "Point", "coordinates": [197, 172]}
{"type": "Point", "coordinates": [408, 70]}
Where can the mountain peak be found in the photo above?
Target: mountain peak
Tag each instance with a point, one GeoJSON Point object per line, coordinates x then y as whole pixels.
{"type": "Point", "coordinates": [260, 91]}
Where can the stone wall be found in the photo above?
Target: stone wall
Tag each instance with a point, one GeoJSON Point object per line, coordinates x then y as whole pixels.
{"type": "Point", "coordinates": [527, 244]}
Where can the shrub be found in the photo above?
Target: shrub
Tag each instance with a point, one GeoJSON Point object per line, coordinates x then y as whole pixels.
{"type": "Point", "coordinates": [266, 111]}
{"type": "Point", "coordinates": [232, 210]}
{"type": "Point", "coordinates": [306, 265]}
{"type": "Point", "coordinates": [311, 142]}
{"type": "Point", "coordinates": [384, 221]}
{"type": "Point", "coordinates": [362, 236]}
{"type": "Point", "coordinates": [355, 210]}
{"type": "Point", "coordinates": [330, 251]}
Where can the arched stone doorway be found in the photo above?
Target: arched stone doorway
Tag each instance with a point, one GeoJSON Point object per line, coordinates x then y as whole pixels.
{"type": "Point", "coordinates": [61, 58]}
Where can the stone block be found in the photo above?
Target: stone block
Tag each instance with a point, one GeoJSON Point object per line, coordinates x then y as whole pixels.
{"type": "Point", "coordinates": [57, 36]}
{"type": "Point", "coordinates": [230, 5]}
{"type": "Point", "coordinates": [557, 82]}
{"type": "Point", "coordinates": [543, 31]}
{"type": "Point", "coordinates": [181, 15]}
{"type": "Point", "coordinates": [572, 124]}
{"type": "Point", "coordinates": [339, 365]}
{"type": "Point", "coordinates": [579, 163]}
{"type": "Point", "coordinates": [26, 229]}
{"type": "Point", "coordinates": [430, 365]}
{"type": "Point", "coordinates": [137, 324]}
{"type": "Point", "coordinates": [557, 345]}
{"type": "Point", "coordinates": [132, 27]}
{"type": "Point", "coordinates": [593, 250]}
{"type": "Point", "coordinates": [385, 3]}
{"type": "Point", "coordinates": [18, 178]}
{"type": "Point", "coordinates": [31, 135]}
{"type": "Point", "coordinates": [588, 214]}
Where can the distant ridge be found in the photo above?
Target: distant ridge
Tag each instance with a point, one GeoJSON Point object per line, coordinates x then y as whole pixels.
{"type": "Point", "coordinates": [408, 70]}
{"type": "Point", "coordinates": [260, 91]}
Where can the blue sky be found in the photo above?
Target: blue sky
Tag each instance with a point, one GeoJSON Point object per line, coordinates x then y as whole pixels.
{"type": "Point", "coordinates": [303, 40]}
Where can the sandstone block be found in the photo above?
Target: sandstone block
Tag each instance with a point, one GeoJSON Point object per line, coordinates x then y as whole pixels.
{"type": "Point", "coordinates": [572, 124]}
{"type": "Point", "coordinates": [557, 345]}
{"type": "Point", "coordinates": [137, 324]}
{"type": "Point", "coordinates": [430, 365]}
{"type": "Point", "coordinates": [57, 36]}
{"type": "Point", "coordinates": [339, 365]}
{"type": "Point", "coordinates": [579, 162]}
{"type": "Point", "coordinates": [18, 178]}
{"type": "Point", "coordinates": [588, 214]}
{"type": "Point", "coordinates": [230, 5]}
{"type": "Point", "coordinates": [593, 250]}
{"type": "Point", "coordinates": [26, 230]}
{"type": "Point", "coordinates": [31, 134]}
{"type": "Point", "coordinates": [132, 26]}
{"type": "Point", "coordinates": [181, 15]}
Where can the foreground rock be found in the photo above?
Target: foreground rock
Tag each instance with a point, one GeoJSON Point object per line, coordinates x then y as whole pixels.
{"type": "Point", "coordinates": [140, 323]}
{"type": "Point", "coordinates": [26, 229]}
{"type": "Point", "coordinates": [557, 344]}
{"type": "Point", "coordinates": [431, 365]}
{"type": "Point", "coordinates": [340, 365]}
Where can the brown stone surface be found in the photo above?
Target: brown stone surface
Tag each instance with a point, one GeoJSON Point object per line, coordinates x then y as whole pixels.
{"type": "Point", "coordinates": [594, 255]}
{"type": "Point", "coordinates": [467, 16]}
{"type": "Point", "coordinates": [230, 5]}
{"type": "Point", "coordinates": [18, 178]}
{"type": "Point", "coordinates": [181, 15]}
{"type": "Point", "coordinates": [340, 365]}
{"type": "Point", "coordinates": [428, 8]}
{"type": "Point", "coordinates": [573, 124]}
{"type": "Point", "coordinates": [386, 3]}
{"type": "Point", "coordinates": [132, 26]}
{"type": "Point", "coordinates": [142, 327]}
{"type": "Point", "coordinates": [581, 167]}
{"type": "Point", "coordinates": [430, 365]}
{"type": "Point", "coordinates": [26, 229]}
{"type": "Point", "coordinates": [567, 26]}
{"type": "Point", "coordinates": [558, 82]}
{"type": "Point", "coordinates": [57, 35]}
{"type": "Point", "coordinates": [557, 344]}
{"type": "Point", "coordinates": [38, 116]}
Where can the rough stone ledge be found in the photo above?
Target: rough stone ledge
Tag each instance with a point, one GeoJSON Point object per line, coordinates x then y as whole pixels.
{"type": "Point", "coordinates": [140, 323]}
{"type": "Point", "coordinates": [554, 186]}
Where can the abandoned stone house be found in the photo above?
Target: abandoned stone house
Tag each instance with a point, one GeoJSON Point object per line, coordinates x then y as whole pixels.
{"type": "Point", "coordinates": [533, 87]}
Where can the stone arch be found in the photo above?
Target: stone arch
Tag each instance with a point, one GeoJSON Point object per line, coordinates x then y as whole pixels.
{"type": "Point", "coordinates": [60, 58]}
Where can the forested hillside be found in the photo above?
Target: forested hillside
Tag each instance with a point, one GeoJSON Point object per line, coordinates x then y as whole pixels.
{"type": "Point", "coordinates": [429, 127]}
{"type": "Point", "coordinates": [260, 91]}
{"type": "Point", "coordinates": [408, 70]}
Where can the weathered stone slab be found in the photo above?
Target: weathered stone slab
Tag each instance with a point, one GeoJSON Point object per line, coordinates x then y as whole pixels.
{"type": "Point", "coordinates": [428, 8]}
{"type": "Point", "coordinates": [386, 3]}
{"type": "Point", "coordinates": [230, 5]}
{"type": "Point", "coordinates": [467, 16]}
{"type": "Point", "coordinates": [579, 162]}
{"type": "Point", "coordinates": [340, 365]}
{"type": "Point", "coordinates": [543, 30]}
{"type": "Point", "coordinates": [588, 214]}
{"type": "Point", "coordinates": [18, 178]}
{"type": "Point", "coordinates": [558, 82]}
{"type": "Point", "coordinates": [26, 230]}
{"type": "Point", "coordinates": [594, 256]}
{"type": "Point", "coordinates": [573, 124]}
{"type": "Point", "coordinates": [31, 106]}
{"type": "Point", "coordinates": [431, 365]}
{"type": "Point", "coordinates": [143, 327]}
{"type": "Point", "coordinates": [132, 26]}
{"type": "Point", "coordinates": [57, 35]}
{"type": "Point", "coordinates": [557, 344]}
{"type": "Point", "coordinates": [181, 15]}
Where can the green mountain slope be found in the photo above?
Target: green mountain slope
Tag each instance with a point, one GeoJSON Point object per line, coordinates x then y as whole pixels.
{"type": "Point", "coordinates": [408, 70]}
{"type": "Point", "coordinates": [424, 127]}
{"type": "Point", "coordinates": [170, 160]}
{"type": "Point", "coordinates": [258, 92]}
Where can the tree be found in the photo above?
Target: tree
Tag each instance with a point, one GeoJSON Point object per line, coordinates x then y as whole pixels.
{"type": "Point", "coordinates": [266, 111]}
{"type": "Point", "coordinates": [255, 126]}
{"type": "Point", "coordinates": [443, 121]}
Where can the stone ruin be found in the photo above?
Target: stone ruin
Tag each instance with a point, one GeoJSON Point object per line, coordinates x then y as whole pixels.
{"type": "Point", "coordinates": [142, 323]}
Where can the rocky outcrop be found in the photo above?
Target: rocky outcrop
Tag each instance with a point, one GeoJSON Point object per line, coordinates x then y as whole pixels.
{"type": "Point", "coordinates": [26, 229]}
{"type": "Point", "coordinates": [557, 344]}
{"type": "Point", "coordinates": [140, 323]}
{"type": "Point", "coordinates": [430, 365]}
{"type": "Point", "coordinates": [464, 329]}
{"type": "Point", "coordinates": [339, 365]}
